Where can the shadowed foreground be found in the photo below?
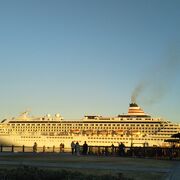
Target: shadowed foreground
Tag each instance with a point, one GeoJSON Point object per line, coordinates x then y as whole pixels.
{"type": "Point", "coordinates": [88, 167]}
{"type": "Point", "coordinates": [30, 173]}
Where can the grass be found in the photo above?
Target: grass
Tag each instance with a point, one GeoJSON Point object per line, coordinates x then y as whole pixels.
{"type": "Point", "coordinates": [28, 172]}
{"type": "Point", "coordinates": [32, 173]}
{"type": "Point", "coordinates": [132, 168]}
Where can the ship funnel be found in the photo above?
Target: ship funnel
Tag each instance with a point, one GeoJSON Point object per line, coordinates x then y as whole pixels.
{"type": "Point", "coordinates": [134, 109]}
{"type": "Point", "coordinates": [133, 105]}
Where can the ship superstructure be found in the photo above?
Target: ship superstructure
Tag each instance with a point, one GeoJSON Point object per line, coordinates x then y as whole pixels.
{"type": "Point", "coordinates": [135, 128]}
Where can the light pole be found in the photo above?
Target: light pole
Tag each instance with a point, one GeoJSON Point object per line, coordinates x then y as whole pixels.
{"type": "Point", "coordinates": [131, 134]}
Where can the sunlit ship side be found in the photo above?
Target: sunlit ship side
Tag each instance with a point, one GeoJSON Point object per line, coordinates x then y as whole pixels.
{"type": "Point", "coordinates": [133, 129]}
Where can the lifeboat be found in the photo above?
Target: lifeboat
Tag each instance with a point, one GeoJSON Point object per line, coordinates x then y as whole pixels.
{"type": "Point", "coordinates": [102, 132]}
{"type": "Point", "coordinates": [75, 131]}
{"type": "Point", "coordinates": [62, 133]}
{"type": "Point", "coordinates": [51, 133]}
{"type": "Point", "coordinates": [135, 132]}
{"type": "Point", "coordinates": [119, 131]}
{"type": "Point", "coordinates": [87, 132]}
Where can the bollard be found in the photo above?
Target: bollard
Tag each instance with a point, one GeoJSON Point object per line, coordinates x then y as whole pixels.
{"type": "Point", "coordinates": [12, 150]}
{"type": "Point", "coordinates": [23, 148]}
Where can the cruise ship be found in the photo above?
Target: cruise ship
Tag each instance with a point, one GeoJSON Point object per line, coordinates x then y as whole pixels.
{"type": "Point", "coordinates": [135, 128]}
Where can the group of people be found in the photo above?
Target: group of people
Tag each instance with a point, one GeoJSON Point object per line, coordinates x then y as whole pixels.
{"type": "Point", "coordinates": [75, 148]}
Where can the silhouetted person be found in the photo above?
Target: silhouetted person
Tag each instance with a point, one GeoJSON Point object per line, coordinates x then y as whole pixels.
{"type": "Point", "coordinates": [61, 147]}
{"type": "Point", "coordinates": [72, 147]}
{"type": "Point", "coordinates": [44, 148]}
{"type": "Point", "coordinates": [53, 148]}
{"type": "Point", "coordinates": [121, 149]}
{"type": "Point", "coordinates": [112, 149]}
{"type": "Point", "coordinates": [77, 149]}
{"type": "Point", "coordinates": [106, 151]}
{"type": "Point", "coordinates": [85, 148]}
{"type": "Point", "coordinates": [35, 147]}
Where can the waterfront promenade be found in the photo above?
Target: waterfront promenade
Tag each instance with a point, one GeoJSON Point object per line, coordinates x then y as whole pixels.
{"type": "Point", "coordinates": [164, 153]}
{"type": "Point", "coordinates": [138, 168]}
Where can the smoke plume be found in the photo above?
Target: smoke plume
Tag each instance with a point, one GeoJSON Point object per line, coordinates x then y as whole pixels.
{"type": "Point", "coordinates": [137, 91]}
{"type": "Point", "coordinates": [159, 80]}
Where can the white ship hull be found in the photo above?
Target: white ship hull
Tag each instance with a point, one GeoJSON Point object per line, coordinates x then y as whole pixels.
{"type": "Point", "coordinates": [50, 141]}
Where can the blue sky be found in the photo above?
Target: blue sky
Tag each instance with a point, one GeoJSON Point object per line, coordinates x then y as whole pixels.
{"type": "Point", "coordinates": [87, 57]}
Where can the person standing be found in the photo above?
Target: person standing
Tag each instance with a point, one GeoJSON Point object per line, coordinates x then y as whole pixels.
{"type": "Point", "coordinates": [77, 149]}
{"type": "Point", "coordinates": [85, 148]}
{"type": "Point", "coordinates": [121, 149]}
{"type": "Point", "coordinates": [112, 149]}
{"type": "Point", "coordinates": [61, 147]}
{"type": "Point", "coordinates": [35, 147]}
{"type": "Point", "coordinates": [72, 147]}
